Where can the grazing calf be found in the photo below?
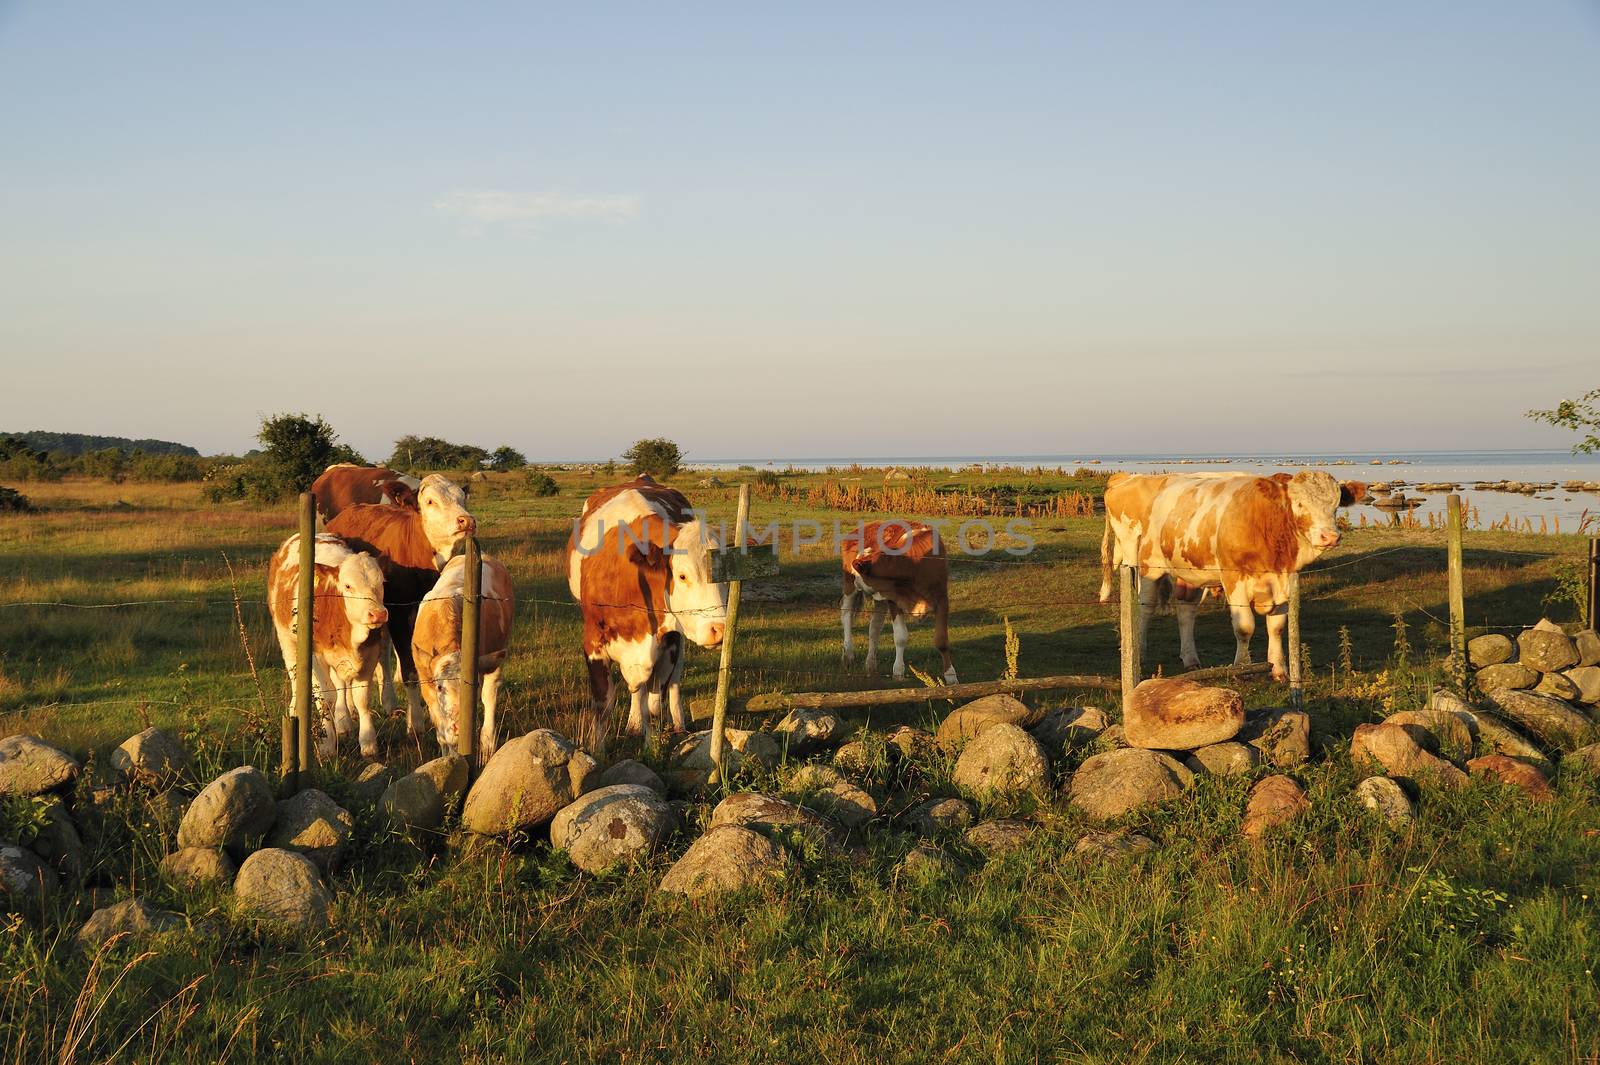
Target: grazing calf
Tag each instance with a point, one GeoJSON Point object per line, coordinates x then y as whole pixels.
{"type": "Point", "coordinates": [347, 611]}
{"type": "Point", "coordinates": [345, 485]}
{"type": "Point", "coordinates": [639, 565]}
{"type": "Point", "coordinates": [436, 648]}
{"type": "Point", "coordinates": [1244, 534]}
{"type": "Point", "coordinates": [901, 565]}
{"type": "Point", "coordinates": [411, 546]}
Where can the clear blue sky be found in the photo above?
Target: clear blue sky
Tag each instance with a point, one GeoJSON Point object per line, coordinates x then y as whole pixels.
{"type": "Point", "coordinates": [804, 229]}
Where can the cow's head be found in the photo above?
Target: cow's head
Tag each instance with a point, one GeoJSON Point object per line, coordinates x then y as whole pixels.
{"type": "Point", "coordinates": [694, 605]}
{"type": "Point", "coordinates": [1314, 497]}
{"type": "Point", "coordinates": [399, 493]}
{"type": "Point", "coordinates": [443, 506]}
{"type": "Point", "coordinates": [361, 588]}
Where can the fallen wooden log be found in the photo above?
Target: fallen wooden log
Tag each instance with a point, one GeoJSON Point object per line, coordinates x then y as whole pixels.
{"type": "Point", "coordinates": [770, 701]}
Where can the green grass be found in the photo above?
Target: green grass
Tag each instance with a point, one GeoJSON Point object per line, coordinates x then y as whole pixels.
{"type": "Point", "coordinates": [1470, 938]}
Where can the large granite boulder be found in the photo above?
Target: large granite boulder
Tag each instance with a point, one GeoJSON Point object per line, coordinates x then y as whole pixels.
{"type": "Point", "coordinates": [1003, 760]}
{"type": "Point", "coordinates": [526, 783]}
{"type": "Point", "coordinates": [1490, 650]}
{"type": "Point", "coordinates": [282, 889]}
{"type": "Point", "coordinates": [234, 811]}
{"type": "Point", "coordinates": [418, 800]}
{"type": "Point", "coordinates": [1176, 714]}
{"type": "Point", "coordinates": [832, 794]}
{"type": "Point", "coordinates": [1519, 775]}
{"type": "Point", "coordinates": [967, 721]}
{"type": "Point", "coordinates": [612, 826]}
{"type": "Point", "coordinates": [1549, 650]}
{"type": "Point", "coordinates": [1111, 784]}
{"type": "Point", "coordinates": [1282, 736]}
{"type": "Point", "coordinates": [727, 858]}
{"type": "Point", "coordinates": [154, 758]}
{"type": "Point", "coordinates": [777, 817]}
{"type": "Point", "coordinates": [1386, 798]}
{"type": "Point", "coordinates": [1274, 801]}
{"type": "Point", "coordinates": [134, 918]}
{"type": "Point", "coordinates": [314, 825]}
{"type": "Point", "coordinates": [1510, 675]}
{"type": "Point", "coordinates": [1552, 721]}
{"type": "Point", "coordinates": [1392, 749]}
{"type": "Point", "coordinates": [29, 766]}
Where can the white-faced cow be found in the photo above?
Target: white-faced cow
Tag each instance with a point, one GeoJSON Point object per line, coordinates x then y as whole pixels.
{"type": "Point", "coordinates": [436, 648]}
{"type": "Point", "coordinates": [901, 566]}
{"type": "Point", "coordinates": [1241, 533]}
{"type": "Point", "coordinates": [412, 546]}
{"type": "Point", "coordinates": [348, 613]}
{"type": "Point", "coordinates": [346, 485]}
{"type": "Point", "coordinates": [638, 564]}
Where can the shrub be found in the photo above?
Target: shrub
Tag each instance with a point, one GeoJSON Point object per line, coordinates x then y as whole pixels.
{"type": "Point", "coordinates": [659, 457]}
{"type": "Point", "coordinates": [432, 453]}
{"type": "Point", "coordinates": [14, 502]}
{"type": "Point", "coordinates": [507, 458]}
{"type": "Point", "coordinates": [295, 450]}
{"type": "Point", "coordinates": [767, 479]}
{"type": "Point", "coordinates": [541, 483]}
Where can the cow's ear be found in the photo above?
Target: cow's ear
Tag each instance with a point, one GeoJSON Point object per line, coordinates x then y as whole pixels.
{"type": "Point", "coordinates": [1352, 492]}
{"type": "Point", "coordinates": [1283, 478]}
{"type": "Point", "coordinates": [647, 544]}
{"type": "Point", "coordinates": [401, 493]}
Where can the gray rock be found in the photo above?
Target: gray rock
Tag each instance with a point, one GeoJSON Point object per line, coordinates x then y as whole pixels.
{"type": "Point", "coordinates": [1438, 731]}
{"type": "Point", "coordinates": [195, 867]}
{"type": "Point", "coordinates": [1546, 650]}
{"type": "Point", "coordinates": [1003, 760]}
{"type": "Point", "coordinates": [1551, 721]}
{"type": "Point", "coordinates": [967, 721]}
{"type": "Point", "coordinates": [1586, 679]}
{"type": "Point", "coordinates": [154, 758]}
{"type": "Point", "coordinates": [1070, 726]}
{"type": "Point", "coordinates": [1587, 643]}
{"type": "Point", "coordinates": [613, 826]}
{"type": "Point", "coordinates": [1501, 737]}
{"type": "Point", "coordinates": [282, 888]}
{"type": "Point", "coordinates": [908, 744]}
{"type": "Point", "coordinates": [1584, 761]}
{"type": "Point", "coordinates": [25, 881]}
{"type": "Point", "coordinates": [630, 771]}
{"type": "Point", "coordinates": [1489, 650]}
{"type": "Point", "coordinates": [373, 780]}
{"type": "Point", "coordinates": [1274, 801]}
{"type": "Point", "coordinates": [526, 783]}
{"type": "Point", "coordinates": [774, 816]}
{"type": "Point", "coordinates": [689, 765]}
{"type": "Point", "coordinates": [29, 766]}
{"type": "Point", "coordinates": [831, 794]}
{"type": "Point", "coordinates": [727, 858]}
{"type": "Point", "coordinates": [1507, 675]}
{"type": "Point", "coordinates": [233, 811]}
{"type": "Point", "coordinates": [1282, 736]}
{"type": "Point", "coordinates": [1520, 775]}
{"type": "Point", "coordinates": [166, 808]}
{"type": "Point", "coordinates": [1230, 759]}
{"type": "Point", "coordinates": [314, 825]}
{"type": "Point", "coordinates": [1000, 836]}
{"type": "Point", "coordinates": [1558, 686]}
{"type": "Point", "coordinates": [134, 918]}
{"type": "Point", "coordinates": [1112, 739]}
{"type": "Point", "coordinates": [1392, 749]}
{"type": "Point", "coordinates": [926, 862]}
{"type": "Point", "coordinates": [808, 731]}
{"type": "Point", "coordinates": [935, 816]}
{"type": "Point", "coordinates": [58, 841]}
{"type": "Point", "coordinates": [1388, 800]}
{"type": "Point", "coordinates": [417, 801]}
{"type": "Point", "coordinates": [1111, 784]}
{"type": "Point", "coordinates": [854, 756]}
{"type": "Point", "coordinates": [1176, 714]}
{"type": "Point", "coordinates": [1105, 846]}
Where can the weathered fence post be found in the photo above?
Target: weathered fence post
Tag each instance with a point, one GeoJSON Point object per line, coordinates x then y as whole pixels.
{"type": "Point", "coordinates": [1458, 603]}
{"type": "Point", "coordinates": [467, 692]}
{"type": "Point", "coordinates": [1129, 624]}
{"type": "Point", "coordinates": [1297, 691]}
{"type": "Point", "coordinates": [719, 709]}
{"type": "Point", "coordinates": [1592, 620]}
{"type": "Point", "coordinates": [297, 747]}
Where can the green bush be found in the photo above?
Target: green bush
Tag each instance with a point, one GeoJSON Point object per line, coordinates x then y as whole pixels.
{"type": "Point", "coordinates": [507, 458]}
{"type": "Point", "coordinates": [659, 457]}
{"type": "Point", "coordinates": [541, 483]}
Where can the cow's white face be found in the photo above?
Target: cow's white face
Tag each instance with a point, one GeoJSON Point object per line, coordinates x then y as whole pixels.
{"type": "Point", "coordinates": [1315, 497]}
{"type": "Point", "coordinates": [444, 699]}
{"type": "Point", "coordinates": [701, 607]}
{"type": "Point", "coordinates": [445, 519]}
{"type": "Point", "coordinates": [361, 585]}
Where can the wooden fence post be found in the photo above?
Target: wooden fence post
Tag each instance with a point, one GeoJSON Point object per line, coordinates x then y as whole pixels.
{"type": "Point", "coordinates": [719, 709]}
{"type": "Point", "coordinates": [1458, 603]}
{"type": "Point", "coordinates": [1132, 669]}
{"type": "Point", "coordinates": [305, 647]}
{"type": "Point", "coordinates": [1297, 691]}
{"type": "Point", "coordinates": [467, 692]}
{"type": "Point", "coordinates": [1593, 618]}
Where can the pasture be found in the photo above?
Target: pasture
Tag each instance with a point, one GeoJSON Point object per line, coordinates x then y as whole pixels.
{"type": "Point", "coordinates": [1472, 936]}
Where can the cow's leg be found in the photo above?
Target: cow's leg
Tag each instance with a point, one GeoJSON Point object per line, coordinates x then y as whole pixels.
{"type": "Point", "coordinates": [680, 719]}
{"type": "Point", "coordinates": [602, 692]}
{"type": "Point", "coordinates": [388, 666]}
{"type": "Point", "coordinates": [664, 681]}
{"type": "Point", "coordinates": [1277, 623]}
{"type": "Point", "coordinates": [360, 697]}
{"type": "Point", "coordinates": [287, 644]}
{"type": "Point", "coordinates": [341, 703]}
{"type": "Point", "coordinates": [326, 698]}
{"type": "Point", "coordinates": [901, 637]}
{"type": "Point", "coordinates": [874, 628]}
{"type": "Point", "coordinates": [1149, 591]}
{"type": "Point", "coordinates": [1186, 604]}
{"type": "Point", "coordinates": [941, 638]}
{"type": "Point", "coordinates": [849, 603]}
{"type": "Point", "coordinates": [491, 699]}
{"type": "Point", "coordinates": [1244, 627]}
{"type": "Point", "coordinates": [636, 674]}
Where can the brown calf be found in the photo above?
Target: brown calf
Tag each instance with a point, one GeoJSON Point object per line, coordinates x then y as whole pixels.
{"type": "Point", "coordinates": [436, 648]}
{"type": "Point", "coordinates": [901, 565]}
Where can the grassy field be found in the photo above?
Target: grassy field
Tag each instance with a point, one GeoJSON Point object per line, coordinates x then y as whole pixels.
{"type": "Point", "coordinates": [1472, 937]}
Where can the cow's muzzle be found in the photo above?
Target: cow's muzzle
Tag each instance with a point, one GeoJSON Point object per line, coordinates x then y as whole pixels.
{"type": "Point", "coordinates": [467, 523]}
{"type": "Point", "coordinates": [377, 617]}
{"type": "Point", "coordinates": [714, 634]}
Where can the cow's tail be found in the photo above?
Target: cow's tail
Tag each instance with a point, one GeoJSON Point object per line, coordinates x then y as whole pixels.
{"type": "Point", "coordinates": [1105, 563]}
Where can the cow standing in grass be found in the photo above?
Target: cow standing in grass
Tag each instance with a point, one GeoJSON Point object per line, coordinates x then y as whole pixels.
{"type": "Point", "coordinates": [901, 566]}
{"type": "Point", "coordinates": [436, 648]}
{"type": "Point", "coordinates": [412, 545]}
{"type": "Point", "coordinates": [638, 563]}
{"type": "Point", "coordinates": [1244, 534]}
{"type": "Point", "coordinates": [348, 613]}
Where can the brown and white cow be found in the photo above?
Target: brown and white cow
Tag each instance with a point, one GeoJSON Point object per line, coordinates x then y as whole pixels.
{"type": "Point", "coordinates": [1244, 534]}
{"type": "Point", "coordinates": [348, 613]}
{"type": "Point", "coordinates": [345, 485]}
{"type": "Point", "coordinates": [901, 566]}
{"type": "Point", "coordinates": [639, 565]}
{"type": "Point", "coordinates": [436, 648]}
{"type": "Point", "coordinates": [412, 546]}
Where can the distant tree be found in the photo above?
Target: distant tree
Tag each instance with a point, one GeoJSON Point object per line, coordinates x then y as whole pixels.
{"type": "Point", "coordinates": [295, 449]}
{"type": "Point", "coordinates": [79, 443]}
{"type": "Point", "coordinates": [1581, 415]}
{"type": "Point", "coordinates": [659, 457]}
{"type": "Point", "coordinates": [507, 458]}
{"type": "Point", "coordinates": [432, 453]}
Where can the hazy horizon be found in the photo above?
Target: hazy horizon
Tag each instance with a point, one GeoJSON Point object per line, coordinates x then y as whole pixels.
{"type": "Point", "coordinates": [912, 231]}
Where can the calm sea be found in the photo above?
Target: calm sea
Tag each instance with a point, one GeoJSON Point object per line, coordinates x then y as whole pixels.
{"type": "Point", "coordinates": [1465, 468]}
